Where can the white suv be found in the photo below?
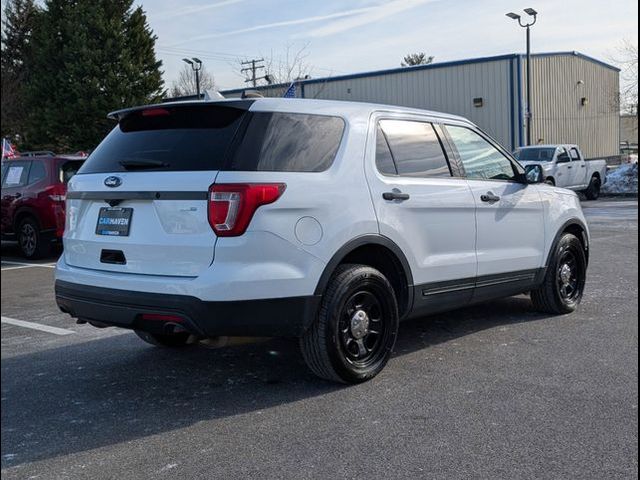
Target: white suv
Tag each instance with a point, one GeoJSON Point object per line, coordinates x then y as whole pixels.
{"type": "Point", "coordinates": [328, 221]}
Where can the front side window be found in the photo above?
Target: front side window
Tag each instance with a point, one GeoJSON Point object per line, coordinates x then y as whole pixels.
{"type": "Point", "coordinates": [37, 172]}
{"type": "Point", "coordinates": [562, 156]}
{"type": "Point", "coordinates": [415, 148]}
{"type": "Point", "coordinates": [481, 160]}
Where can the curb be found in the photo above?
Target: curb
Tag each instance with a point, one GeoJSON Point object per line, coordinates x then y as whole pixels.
{"type": "Point", "coordinates": [619, 195]}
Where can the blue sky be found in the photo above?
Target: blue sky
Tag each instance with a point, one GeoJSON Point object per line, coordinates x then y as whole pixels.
{"type": "Point", "coordinates": [360, 35]}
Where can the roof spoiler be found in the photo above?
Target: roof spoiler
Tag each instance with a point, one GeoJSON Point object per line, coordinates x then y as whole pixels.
{"type": "Point", "coordinates": [118, 115]}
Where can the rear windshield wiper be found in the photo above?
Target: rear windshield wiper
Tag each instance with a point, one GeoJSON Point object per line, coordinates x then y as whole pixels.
{"type": "Point", "coordinates": [142, 163]}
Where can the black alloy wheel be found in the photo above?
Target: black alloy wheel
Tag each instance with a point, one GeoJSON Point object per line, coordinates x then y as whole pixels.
{"type": "Point", "coordinates": [565, 278]}
{"type": "Point", "coordinates": [353, 336]}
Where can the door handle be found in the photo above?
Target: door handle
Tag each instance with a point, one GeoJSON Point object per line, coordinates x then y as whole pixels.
{"type": "Point", "coordinates": [490, 197]}
{"type": "Point", "coordinates": [569, 166]}
{"type": "Point", "coordinates": [395, 194]}
{"type": "Point", "coordinates": [582, 166]}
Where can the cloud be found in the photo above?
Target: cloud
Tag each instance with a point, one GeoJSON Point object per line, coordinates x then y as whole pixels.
{"type": "Point", "coordinates": [369, 16]}
{"type": "Point", "coordinates": [286, 23]}
{"type": "Point", "coordinates": [179, 12]}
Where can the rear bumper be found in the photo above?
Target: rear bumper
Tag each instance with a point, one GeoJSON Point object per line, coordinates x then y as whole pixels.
{"type": "Point", "coordinates": [273, 317]}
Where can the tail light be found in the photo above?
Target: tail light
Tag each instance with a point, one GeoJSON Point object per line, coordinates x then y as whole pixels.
{"type": "Point", "coordinates": [158, 317]}
{"type": "Point", "coordinates": [232, 205]}
{"type": "Point", "coordinates": [57, 192]}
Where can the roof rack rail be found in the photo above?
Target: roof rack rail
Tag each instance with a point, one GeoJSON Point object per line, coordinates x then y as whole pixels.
{"type": "Point", "coordinates": [38, 153]}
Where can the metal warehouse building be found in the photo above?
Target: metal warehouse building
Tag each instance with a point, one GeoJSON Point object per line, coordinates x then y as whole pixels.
{"type": "Point", "coordinates": [574, 97]}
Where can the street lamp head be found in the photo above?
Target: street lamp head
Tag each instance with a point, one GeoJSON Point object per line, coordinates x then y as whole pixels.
{"type": "Point", "coordinates": [530, 11]}
{"type": "Point", "coordinates": [186, 60]}
{"type": "Point", "coordinates": [513, 16]}
{"type": "Point", "coordinates": [197, 60]}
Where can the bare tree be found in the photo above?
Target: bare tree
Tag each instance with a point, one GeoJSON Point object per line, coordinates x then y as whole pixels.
{"type": "Point", "coordinates": [186, 83]}
{"type": "Point", "coordinates": [419, 58]}
{"type": "Point", "coordinates": [289, 66]}
{"type": "Point", "coordinates": [281, 69]}
{"type": "Point", "coordinates": [627, 60]}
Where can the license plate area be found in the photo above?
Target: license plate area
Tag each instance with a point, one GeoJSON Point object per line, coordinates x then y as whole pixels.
{"type": "Point", "coordinates": [114, 221]}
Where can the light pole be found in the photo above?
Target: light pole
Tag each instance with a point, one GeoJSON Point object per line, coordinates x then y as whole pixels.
{"type": "Point", "coordinates": [196, 66]}
{"type": "Point", "coordinates": [532, 13]}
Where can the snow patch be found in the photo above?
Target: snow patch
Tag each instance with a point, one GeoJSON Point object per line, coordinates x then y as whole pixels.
{"type": "Point", "coordinates": [170, 466]}
{"type": "Point", "coordinates": [623, 179]}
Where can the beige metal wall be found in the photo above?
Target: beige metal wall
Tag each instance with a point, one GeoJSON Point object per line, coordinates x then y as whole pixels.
{"type": "Point", "coordinates": [559, 83]}
{"type": "Point", "coordinates": [449, 89]}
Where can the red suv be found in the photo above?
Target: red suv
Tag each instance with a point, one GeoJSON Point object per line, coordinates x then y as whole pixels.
{"type": "Point", "coordinates": [33, 198]}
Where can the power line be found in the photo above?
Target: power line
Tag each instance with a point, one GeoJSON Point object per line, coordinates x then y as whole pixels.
{"type": "Point", "coordinates": [222, 56]}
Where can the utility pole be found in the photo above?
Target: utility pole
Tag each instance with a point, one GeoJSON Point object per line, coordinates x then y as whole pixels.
{"type": "Point", "coordinates": [255, 66]}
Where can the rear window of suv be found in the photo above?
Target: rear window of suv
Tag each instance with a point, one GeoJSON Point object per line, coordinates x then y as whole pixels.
{"type": "Point", "coordinates": [173, 139]}
{"type": "Point", "coordinates": [215, 137]}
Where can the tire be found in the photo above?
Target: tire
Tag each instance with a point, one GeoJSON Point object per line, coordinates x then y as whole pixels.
{"type": "Point", "coordinates": [32, 243]}
{"type": "Point", "coordinates": [593, 190]}
{"type": "Point", "coordinates": [173, 340]}
{"type": "Point", "coordinates": [341, 345]}
{"type": "Point", "coordinates": [564, 281]}
{"type": "Point", "coordinates": [550, 181]}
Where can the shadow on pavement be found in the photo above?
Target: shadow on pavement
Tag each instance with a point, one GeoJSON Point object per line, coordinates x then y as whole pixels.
{"type": "Point", "coordinates": [11, 252]}
{"type": "Point", "coordinates": [103, 392]}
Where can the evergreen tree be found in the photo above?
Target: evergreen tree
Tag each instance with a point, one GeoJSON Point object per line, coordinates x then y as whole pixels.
{"type": "Point", "coordinates": [90, 57]}
{"type": "Point", "coordinates": [17, 27]}
{"type": "Point", "coordinates": [419, 58]}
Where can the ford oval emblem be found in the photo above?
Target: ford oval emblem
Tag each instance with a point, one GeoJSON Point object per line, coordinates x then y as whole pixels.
{"type": "Point", "coordinates": [113, 182]}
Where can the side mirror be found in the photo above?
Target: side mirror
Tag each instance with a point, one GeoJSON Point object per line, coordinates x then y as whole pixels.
{"type": "Point", "coordinates": [534, 174]}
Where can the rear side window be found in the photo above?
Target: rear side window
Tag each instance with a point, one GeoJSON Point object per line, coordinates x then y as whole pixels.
{"type": "Point", "coordinates": [68, 169]}
{"type": "Point", "coordinates": [415, 149]}
{"type": "Point", "coordinates": [384, 160]}
{"type": "Point", "coordinates": [38, 172]}
{"type": "Point", "coordinates": [575, 155]}
{"type": "Point", "coordinates": [288, 142]}
{"type": "Point", "coordinates": [15, 174]}
{"type": "Point", "coordinates": [177, 138]}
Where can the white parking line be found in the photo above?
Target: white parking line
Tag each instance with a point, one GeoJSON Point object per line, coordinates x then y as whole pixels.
{"type": "Point", "coordinates": [37, 326]}
{"type": "Point", "coordinates": [16, 268]}
{"type": "Point", "coordinates": [17, 265]}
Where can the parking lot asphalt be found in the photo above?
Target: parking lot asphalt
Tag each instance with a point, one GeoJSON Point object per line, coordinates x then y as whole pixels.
{"type": "Point", "coordinates": [492, 391]}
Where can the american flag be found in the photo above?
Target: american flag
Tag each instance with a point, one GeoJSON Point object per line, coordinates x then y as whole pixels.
{"type": "Point", "coordinates": [291, 91]}
{"type": "Point", "coordinates": [7, 149]}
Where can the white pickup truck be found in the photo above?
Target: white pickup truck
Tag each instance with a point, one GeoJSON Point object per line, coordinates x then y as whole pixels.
{"type": "Point", "coordinates": [564, 166]}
